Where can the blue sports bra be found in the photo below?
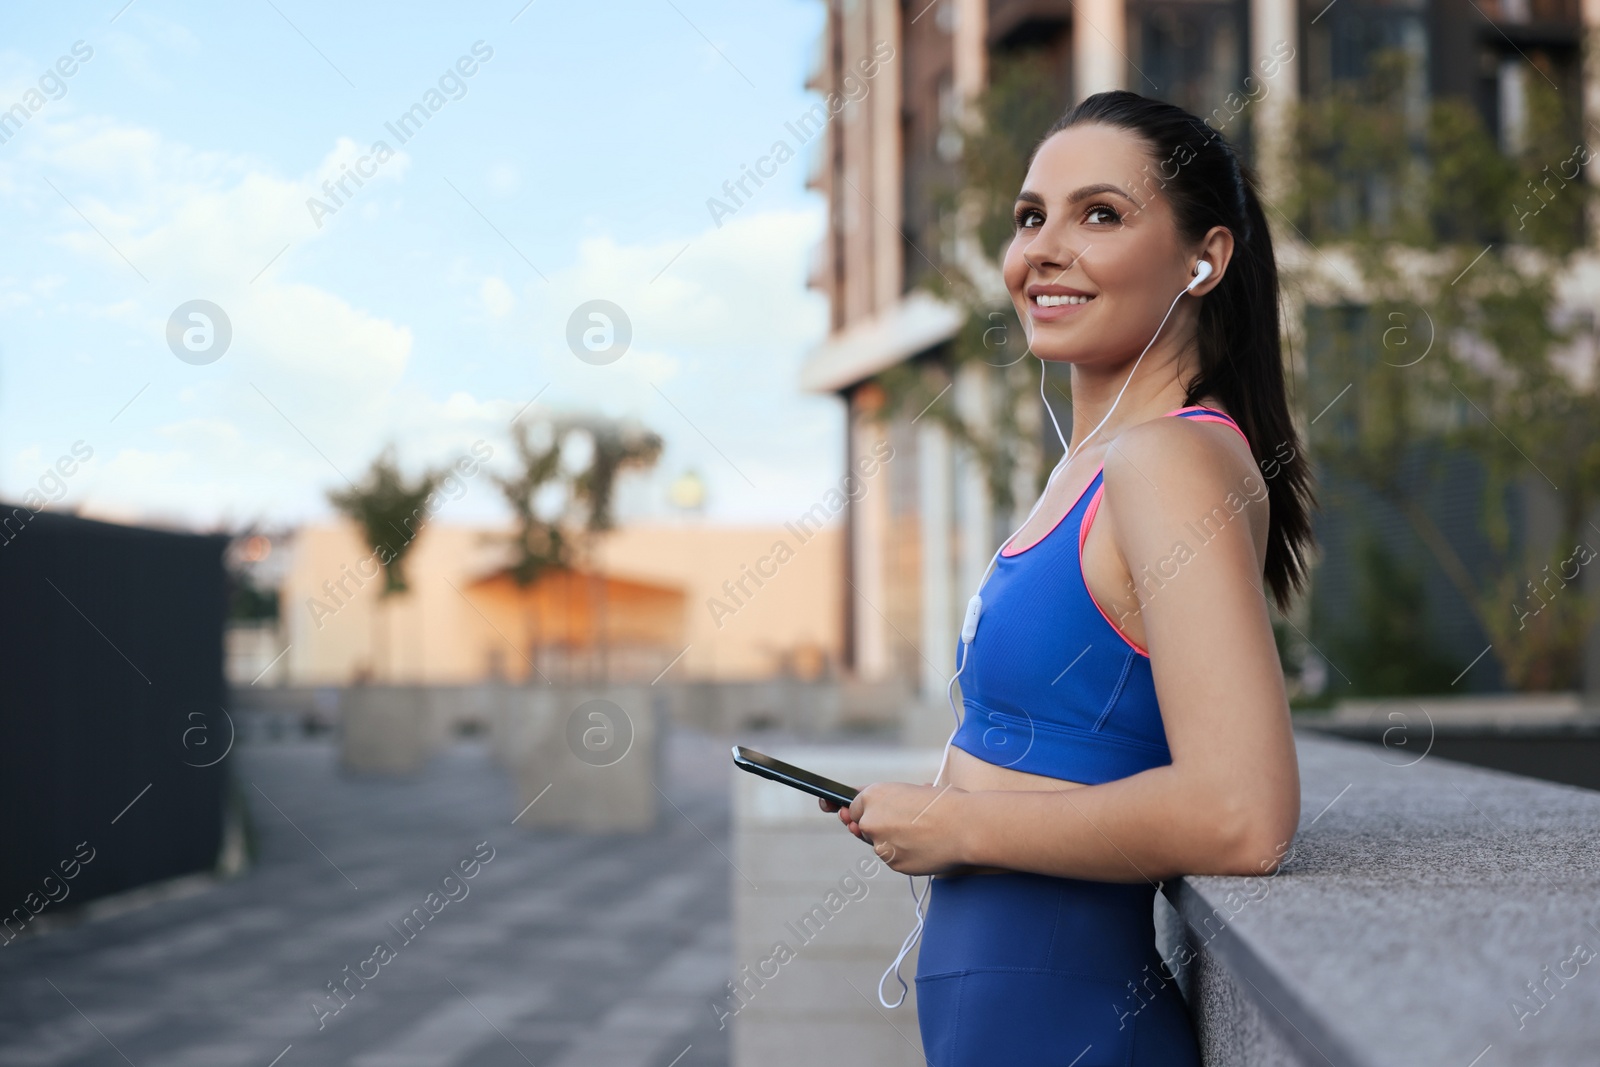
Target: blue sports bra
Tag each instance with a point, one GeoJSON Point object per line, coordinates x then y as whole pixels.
{"type": "Point", "coordinates": [1052, 686]}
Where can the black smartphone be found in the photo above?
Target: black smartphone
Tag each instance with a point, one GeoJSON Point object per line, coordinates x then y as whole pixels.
{"type": "Point", "coordinates": [787, 773]}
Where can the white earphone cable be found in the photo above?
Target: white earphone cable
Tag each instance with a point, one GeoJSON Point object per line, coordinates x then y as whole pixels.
{"type": "Point", "coordinates": [974, 608]}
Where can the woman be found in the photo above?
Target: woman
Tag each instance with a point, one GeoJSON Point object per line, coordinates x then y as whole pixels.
{"type": "Point", "coordinates": [1125, 714]}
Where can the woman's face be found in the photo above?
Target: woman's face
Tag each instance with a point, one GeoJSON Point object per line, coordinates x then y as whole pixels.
{"type": "Point", "coordinates": [1096, 261]}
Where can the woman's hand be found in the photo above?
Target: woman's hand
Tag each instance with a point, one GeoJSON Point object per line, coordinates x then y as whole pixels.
{"type": "Point", "coordinates": [912, 828]}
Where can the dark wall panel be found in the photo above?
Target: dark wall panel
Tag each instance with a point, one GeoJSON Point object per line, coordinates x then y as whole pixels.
{"type": "Point", "coordinates": [111, 680]}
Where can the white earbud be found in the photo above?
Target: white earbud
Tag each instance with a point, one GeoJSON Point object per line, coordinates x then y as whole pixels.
{"type": "Point", "coordinates": [1201, 272]}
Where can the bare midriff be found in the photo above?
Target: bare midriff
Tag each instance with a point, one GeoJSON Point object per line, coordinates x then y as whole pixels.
{"type": "Point", "coordinates": [966, 771]}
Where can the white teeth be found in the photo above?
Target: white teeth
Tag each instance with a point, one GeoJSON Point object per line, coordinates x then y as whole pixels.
{"type": "Point", "coordinates": [1057, 301]}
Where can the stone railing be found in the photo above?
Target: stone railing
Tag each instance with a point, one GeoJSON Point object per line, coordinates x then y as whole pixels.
{"type": "Point", "coordinates": [1429, 912]}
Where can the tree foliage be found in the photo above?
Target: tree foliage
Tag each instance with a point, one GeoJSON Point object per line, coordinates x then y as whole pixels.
{"type": "Point", "coordinates": [1439, 257]}
{"type": "Point", "coordinates": [615, 447]}
{"type": "Point", "coordinates": [539, 543]}
{"type": "Point", "coordinates": [548, 536]}
{"type": "Point", "coordinates": [390, 510]}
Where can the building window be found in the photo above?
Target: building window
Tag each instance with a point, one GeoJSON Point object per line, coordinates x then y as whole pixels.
{"type": "Point", "coordinates": [1189, 54]}
{"type": "Point", "coordinates": [1343, 40]}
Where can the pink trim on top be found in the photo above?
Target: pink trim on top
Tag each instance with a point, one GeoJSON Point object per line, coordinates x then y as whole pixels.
{"type": "Point", "coordinates": [1211, 415]}
{"type": "Point", "coordinates": [1063, 518]}
{"type": "Point", "coordinates": [1083, 532]}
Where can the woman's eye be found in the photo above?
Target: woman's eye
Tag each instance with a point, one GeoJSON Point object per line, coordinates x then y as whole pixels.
{"type": "Point", "coordinates": [1114, 217]}
{"type": "Point", "coordinates": [1029, 217]}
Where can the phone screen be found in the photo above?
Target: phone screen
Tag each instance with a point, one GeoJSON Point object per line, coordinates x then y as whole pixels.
{"type": "Point", "coordinates": [760, 763]}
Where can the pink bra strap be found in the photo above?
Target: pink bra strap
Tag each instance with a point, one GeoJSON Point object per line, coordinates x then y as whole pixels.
{"type": "Point", "coordinates": [1210, 415]}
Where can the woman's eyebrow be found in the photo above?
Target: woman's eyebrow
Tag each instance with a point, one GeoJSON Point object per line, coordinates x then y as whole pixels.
{"type": "Point", "coordinates": [1028, 196]}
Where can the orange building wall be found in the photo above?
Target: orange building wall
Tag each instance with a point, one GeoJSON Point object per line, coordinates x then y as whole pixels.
{"type": "Point", "coordinates": [461, 621]}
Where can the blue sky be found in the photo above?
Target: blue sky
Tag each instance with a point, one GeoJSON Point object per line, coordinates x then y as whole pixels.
{"type": "Point", "coordinates": [573, 164]}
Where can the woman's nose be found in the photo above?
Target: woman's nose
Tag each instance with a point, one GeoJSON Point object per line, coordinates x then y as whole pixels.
{"type": "Point", "coordinates": [1051, 264]}
{"type": "Point", "coordinates": [1046, 254]}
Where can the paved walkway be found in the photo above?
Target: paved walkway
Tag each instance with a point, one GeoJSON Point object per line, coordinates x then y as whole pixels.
{"type": "Point", "coordinates": [566, 950]}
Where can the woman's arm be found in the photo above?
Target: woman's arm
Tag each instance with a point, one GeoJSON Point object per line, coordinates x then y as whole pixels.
{"type": "Point", "coordinates": [1229, 801]}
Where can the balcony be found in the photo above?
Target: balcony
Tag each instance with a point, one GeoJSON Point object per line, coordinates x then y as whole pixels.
{"type": "Point", "coordinates": [1016, 23]}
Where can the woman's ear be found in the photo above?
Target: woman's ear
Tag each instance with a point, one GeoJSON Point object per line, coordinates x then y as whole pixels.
{"type": "Point", "coordinates": [1215, 252]}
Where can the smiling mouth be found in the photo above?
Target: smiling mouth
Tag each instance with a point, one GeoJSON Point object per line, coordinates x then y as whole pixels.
{"type": "Point", "coordinates": [1058, 301]}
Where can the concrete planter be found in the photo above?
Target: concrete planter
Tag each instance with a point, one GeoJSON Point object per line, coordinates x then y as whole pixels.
{"type": "Point", "coordinates": [584, 758]}
{"type": "Point", "coordinates": [388, 729]}
{"type": "Point", "coordinates": [806, 708]}
{"type": "Point", "coordinates": [503, 717]}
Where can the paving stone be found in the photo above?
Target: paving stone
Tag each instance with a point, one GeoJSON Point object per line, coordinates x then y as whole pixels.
{"type": "Point", "coordinates": [567, 948]}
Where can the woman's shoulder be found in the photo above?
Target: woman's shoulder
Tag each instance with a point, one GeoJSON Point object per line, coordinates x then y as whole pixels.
{"type": "Point", "coordinates": [1163, 476]}
{"type": "Point", "coordinates": [1177, 458]}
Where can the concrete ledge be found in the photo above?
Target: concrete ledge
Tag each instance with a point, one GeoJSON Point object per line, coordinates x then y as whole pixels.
{"type": "Point", "coordinates": [1430, 912]}
{"type": "Point", "coordinates": [1553, 736]}
{"type": "Point", "coordinates": [278, 711]}
{"type": "Point", "coordinates": [1502, 710]}
{"type": "Point", "coordinates": [804, 708]}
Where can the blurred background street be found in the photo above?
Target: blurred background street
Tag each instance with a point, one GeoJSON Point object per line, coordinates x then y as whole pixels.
{"type": "Point", "coordinates": [566, 949]}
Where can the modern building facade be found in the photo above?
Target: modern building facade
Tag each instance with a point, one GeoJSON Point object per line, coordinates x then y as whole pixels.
{"type": "Point", "coordinates": [917, 544]}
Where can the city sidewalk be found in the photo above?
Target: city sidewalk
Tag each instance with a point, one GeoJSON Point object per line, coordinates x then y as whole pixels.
{"type": "Point", "coordinates": [565, 949]}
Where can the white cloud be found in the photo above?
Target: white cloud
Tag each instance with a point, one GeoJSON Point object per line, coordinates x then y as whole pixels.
{"type": "Point", "coordinates": [314, 379]}
{"type": "Point", "coordinates": [200, 223]}
{"type": "Point", "coordinates": [204, 434]}
{"type": "Point", "coordinates": [730, 286]}
{"type": "Point", "coordinates": [503, 179]}
{"type": "Point", "coordinates": [718, 338]}
{"type": "Point", "coordinates": [27, 462]}
{"type": "Point", "coordinates": [497, 297]}
{"type": "Point", "coordinates": [320, 339]}
{"type": "Point", "coordinates": [730, 304]}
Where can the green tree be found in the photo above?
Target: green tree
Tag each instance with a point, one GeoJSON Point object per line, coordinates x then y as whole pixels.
{"type": "Point", "coordinates": [391, 511]}
{"type": "Point", "coordinates": [1385, 648]}
{"type": "Point", "coordinates": [584, 498]}
{"type": "Point", "coordinates": [614, 447]}
{"type": "Point", "coordinates": [1436, 257]}
{"type": "Point", "coordinates": [539, 544]}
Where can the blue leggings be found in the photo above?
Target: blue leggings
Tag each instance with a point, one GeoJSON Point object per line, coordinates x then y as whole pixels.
{"type": "Point", "coordinates": [1026, 969]}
